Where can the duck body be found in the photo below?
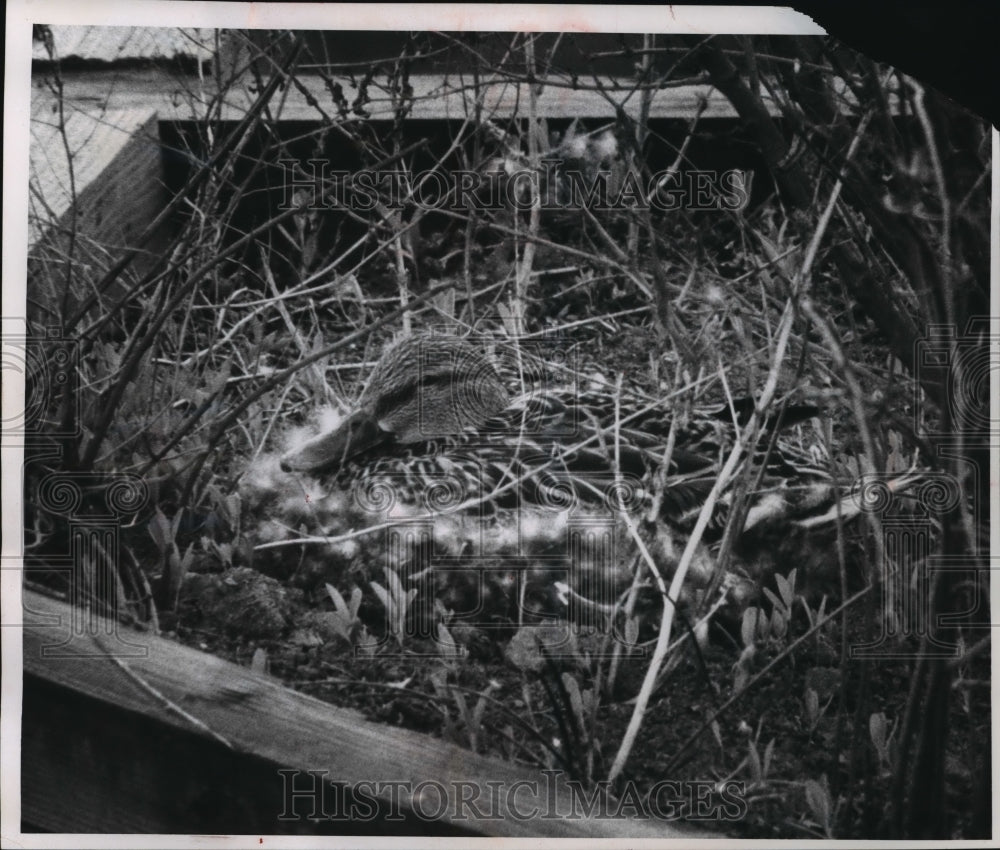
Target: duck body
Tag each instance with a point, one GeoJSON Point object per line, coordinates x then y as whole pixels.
{"type": "Point", "coordinates": [539, 478]}
{"type": "Point", "coordinates": [435, 413]}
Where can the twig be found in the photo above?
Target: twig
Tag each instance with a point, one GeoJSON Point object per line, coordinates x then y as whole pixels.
{"type": "Point", "coordinates": [168, 703]}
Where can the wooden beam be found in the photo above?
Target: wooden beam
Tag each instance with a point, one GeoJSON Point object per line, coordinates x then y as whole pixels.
{"type": "Point", "coordinates": [435, 97]}
{"type": "Point", "coordinates": [113, 163]}
{"type": "Point", "coordinates": [128, 732]}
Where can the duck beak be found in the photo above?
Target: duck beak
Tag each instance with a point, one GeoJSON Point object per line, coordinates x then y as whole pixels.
{"type": "Point", "coordinates": [330, 451]}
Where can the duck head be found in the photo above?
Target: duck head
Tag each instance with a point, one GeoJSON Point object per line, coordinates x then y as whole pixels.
{"type": "Point", "coordinates": [424, 387]}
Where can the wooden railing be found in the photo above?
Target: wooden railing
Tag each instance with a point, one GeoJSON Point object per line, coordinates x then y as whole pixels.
{"type": "Point", "coordinates": [123, 731]}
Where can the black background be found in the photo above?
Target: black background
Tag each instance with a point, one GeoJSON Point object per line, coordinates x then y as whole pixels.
{"type": "Point", "coordinates": [953, 45]}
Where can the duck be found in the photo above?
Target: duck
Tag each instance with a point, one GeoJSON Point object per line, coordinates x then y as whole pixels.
{"type": "Point", "coordinates": [449, 435]}
{"type": "Point", "coordinates": [503, 496]}
{"type": "Point", "coordinates": [438, 408]}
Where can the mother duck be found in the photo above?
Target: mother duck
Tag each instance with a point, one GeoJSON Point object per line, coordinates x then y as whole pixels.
{"type": "Point", "coordinates": [436, 410]}
{"type": "Point", "coordinates": [513, 501]}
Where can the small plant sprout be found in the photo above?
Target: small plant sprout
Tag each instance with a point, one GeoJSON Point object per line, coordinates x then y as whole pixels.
{"type": "Point", "coordinates": [396, 602]}
{"type": "Point", "coordinates": [786, 595]}
{"type": "Point", "coordinates": [813, 710]}
{"type": "Point", "coordinates": [451, 652]}
{"type": "Point", "coordinates": [345, 614]}
{"type": "Point", "coordinates": [820, 805]}
{"type": "Point", "coordinates": [174, 565]}
{"type": "Point", "coordinates": [882, 740]}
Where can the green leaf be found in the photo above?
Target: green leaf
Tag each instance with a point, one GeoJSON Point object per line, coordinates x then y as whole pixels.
{"type": "Point", "coordinates": [753, 759]}
{"type": "Point", "coordinates": [776, 603]}
{"type": "Point", "coordinates": [812, 706]}
{"type": "Point", "coordinates": [259, 661]}
{"type": "Point", "coordinates": [176, 524]}
{"type": "Point", "coordinates": [159, 530]}
{"type": "Point", "coordinates": [768, 755]}
{"type": "Point", "coordinates": [877, 727]}
{"type": "Point", "coordinates": [717, 732]}
{"type": "Point", "coordinates": [338, 601]}
{"type": "Point", "coordinates": [818, 800]}
{"type": "Point", "coordinates": [575, 699]}
{"type": "Point", "coordinates": [786, 587]}
{"type": "Point", "coordinates": [382, 594]}
{"type": "Point", "coordinates": [632, 631]}
{"type": "Point", "coordinates": [779, 625]}
{"type": "Point", "coordinates": [446, 643]}
{"type": "Point", "coordinates": [356, 596]}
{"type": "Point", "coordinates": [748, 628]}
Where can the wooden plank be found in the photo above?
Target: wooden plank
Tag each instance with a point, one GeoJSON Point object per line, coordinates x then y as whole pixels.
{"type": "Point", "coordinates": [116, 172]}
{"type": "Point", "coordinates": [436, 97]}
{"type": "Point", "coordinates": [117, 183]}
{"type": "Point", "coordinates": [99, 727]}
